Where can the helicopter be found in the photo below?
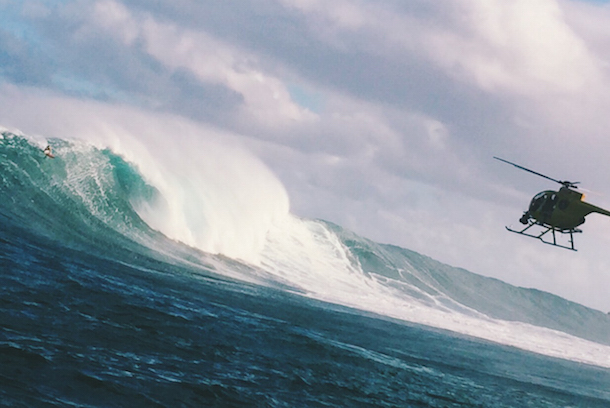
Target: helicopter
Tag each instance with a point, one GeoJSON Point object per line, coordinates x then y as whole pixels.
{"type": "Point", "coordinates": [555, 211]}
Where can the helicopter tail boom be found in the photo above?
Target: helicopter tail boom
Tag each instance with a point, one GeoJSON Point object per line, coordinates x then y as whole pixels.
{"type": "Point", "coordinates": [596, 209]}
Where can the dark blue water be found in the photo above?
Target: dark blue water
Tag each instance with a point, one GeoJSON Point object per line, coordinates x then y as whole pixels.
{"type": "Point", "coordinates": [81, 330]}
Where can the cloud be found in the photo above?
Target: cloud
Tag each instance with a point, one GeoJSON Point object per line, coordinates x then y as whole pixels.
{"type": "Point", "coordinates": [380, 116]}
{"type": "Point", "coordinates": [18, 61]}
{"type": "Point", "coordinates": [515, 47]}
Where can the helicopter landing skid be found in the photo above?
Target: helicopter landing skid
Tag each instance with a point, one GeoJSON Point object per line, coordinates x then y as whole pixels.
{"type": "Point", "coordinates": [546, 229]}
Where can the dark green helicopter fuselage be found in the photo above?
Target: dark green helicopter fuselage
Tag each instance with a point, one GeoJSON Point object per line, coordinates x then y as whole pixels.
{"type": "Point", "coordinates": [563, 209]}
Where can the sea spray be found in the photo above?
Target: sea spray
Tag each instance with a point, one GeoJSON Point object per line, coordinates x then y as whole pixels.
{"type": "Point", "coordinates": [330, 264]}
{"type": "Point", "coordinates": [216, 198]}
{"type": "Point", "coordinates": [213, 194]}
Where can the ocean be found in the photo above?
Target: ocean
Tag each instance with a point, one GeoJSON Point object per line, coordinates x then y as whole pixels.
{"type": "Point", "coordinates": [125, 285]}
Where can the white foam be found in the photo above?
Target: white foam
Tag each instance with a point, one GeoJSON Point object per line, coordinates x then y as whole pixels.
{"type": "Point", "coordinates": [217, 196]}
{"type": "Point", "coordinates": [214, 195]}
{"type": "Point", "coordinates": [309, 256]}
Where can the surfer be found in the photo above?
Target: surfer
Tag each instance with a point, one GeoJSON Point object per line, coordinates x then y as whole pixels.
{"type": "Point", "coordinates": [48, 152]}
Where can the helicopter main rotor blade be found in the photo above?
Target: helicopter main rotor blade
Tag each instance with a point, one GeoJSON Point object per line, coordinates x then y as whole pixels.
{"type": "Point", "coordinates": [564, 183]}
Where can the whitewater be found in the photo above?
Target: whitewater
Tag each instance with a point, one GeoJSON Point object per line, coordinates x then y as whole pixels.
{"type": "Point", "coordinates": [206, 202]}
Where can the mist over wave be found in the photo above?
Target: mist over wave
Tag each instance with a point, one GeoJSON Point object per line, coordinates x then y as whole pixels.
{"type": "Point", "coordinates": [212, 197]}
{"type": "Point", "coordinates": [209, 194]}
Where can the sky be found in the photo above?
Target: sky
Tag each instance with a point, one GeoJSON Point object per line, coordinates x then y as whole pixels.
{"type": "Point", "coordinates": [382, 117]}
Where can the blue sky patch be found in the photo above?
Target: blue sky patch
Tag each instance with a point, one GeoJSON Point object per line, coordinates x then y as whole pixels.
{"type": "Point", "coordinates": [306, 98]}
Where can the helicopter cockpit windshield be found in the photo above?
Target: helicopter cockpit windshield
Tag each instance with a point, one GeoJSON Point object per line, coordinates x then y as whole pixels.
{"type": "Point", "coordinates": [544, 201]}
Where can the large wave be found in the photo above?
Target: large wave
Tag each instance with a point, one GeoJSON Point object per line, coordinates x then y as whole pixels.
{"type": "Point", "coordinates": [190, 199]}
{"type": "Point", "coordinates": [217, 199]}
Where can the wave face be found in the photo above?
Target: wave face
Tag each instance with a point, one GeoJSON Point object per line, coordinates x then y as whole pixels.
{"type": "Point", "coordinates": [84, 196]}
{"type": "Point", "coordinates": [235, 224]}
